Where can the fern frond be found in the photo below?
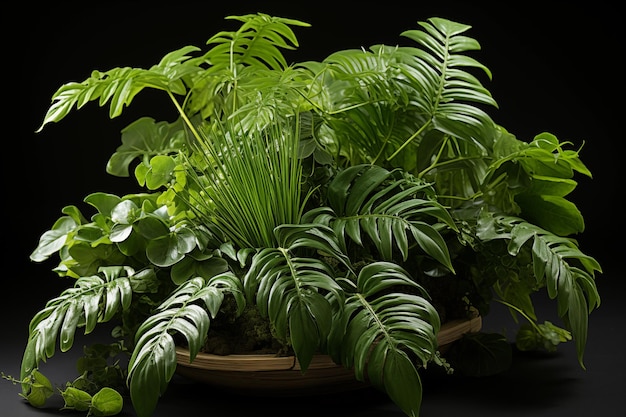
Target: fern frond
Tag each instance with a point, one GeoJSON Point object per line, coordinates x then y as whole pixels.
{"type": "Point", "coordinates": [94, 299]}
{"type": "Point", "coordinates": [366, 105]}
{"type": "Point", "coordinates": [380, 102]}
{"type": "Point", "coordinates": [153, 361]}
{"type": "Point", "coordinates": [452, 91]}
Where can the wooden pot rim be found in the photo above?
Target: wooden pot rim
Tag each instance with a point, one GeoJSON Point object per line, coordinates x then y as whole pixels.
{"type": "Point", "coordinates": [448, 333]}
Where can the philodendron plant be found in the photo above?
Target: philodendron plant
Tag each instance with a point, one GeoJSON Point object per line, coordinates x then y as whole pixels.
{"type": "Point", "coordinates": [352, 205]}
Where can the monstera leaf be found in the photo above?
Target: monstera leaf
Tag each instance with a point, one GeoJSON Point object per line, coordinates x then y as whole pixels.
{"type": "Point", "coordinates": [387, 335]}
{"type": "Point", "coordinates": [93, 299]}
{"type": "Point", "coordinates": [153, 361]}
{"type": "Point", "coordinates": [393, 213]}
{"type": "Point", "coordinates": [293, 290]}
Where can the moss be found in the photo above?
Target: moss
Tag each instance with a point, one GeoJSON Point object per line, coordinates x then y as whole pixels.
{"type": "Point", "coordinates": [249, 332]}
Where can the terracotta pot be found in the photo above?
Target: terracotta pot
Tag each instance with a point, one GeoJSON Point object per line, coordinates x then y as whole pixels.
{"type": "Point", "coordinates": [282, 376]}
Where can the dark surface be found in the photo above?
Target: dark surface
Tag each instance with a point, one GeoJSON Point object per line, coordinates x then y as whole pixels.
{"type": "Point", "coordinates": [553, 69]}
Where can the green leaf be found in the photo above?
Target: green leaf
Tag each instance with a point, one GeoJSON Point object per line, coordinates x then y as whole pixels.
{"type": "Point", "coordinates": [151, 227]}
{"type": "Point", "coordinates": [256, 43]}
{"type": "Point", "coordinates": [545, 336]}
{"type": "Point", "coordinates": [402, 382]}
{"type": "Point", "coordinates": [543, 185]}
{"type": "Point", "coordinates": [126, 212]}
{"type": "Point", "coordinates": [553, 213]}
{"type": "Point", "coordinates": [107, 402]}
{"type": "Point", "coordinates": [76, 399]}
{"type": "Point", "coordinates": [161, 171]}
{"type": "Point", "coordinates": [93, 299]}
{"type": "Point", "coordinates": [168, 250]}
{"type": "Point", "coordinates": [369, 200]}
{"type": "Point", "coordinates": [53, 240]}
{"type": "Point", "coordinates": [153, 360]}
{"type": "Point", "coordinates": [152, 366]}
{"type": "Point", "coordinates": [36, 388]}
{"type": "Point", "coordinates": [144, 139]}
{"type": "Point", "coordinates": [554, 260]}
{"type": "Point", "coordinates": [103, 202]}
{"type": "Point", "coordinates": [120, 85]}
{"type": "Point", "coordinates": [309, 322]}
{"type": "Point", "coordinates": [290, 290]}
{"type": "Point", "coordinates": [382, 327]}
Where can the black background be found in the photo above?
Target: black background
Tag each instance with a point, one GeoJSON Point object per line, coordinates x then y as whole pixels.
{"type": "Point", "coordinates": [557, 67]}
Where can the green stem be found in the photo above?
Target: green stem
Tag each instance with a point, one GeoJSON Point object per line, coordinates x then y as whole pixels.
{"type": "Point", "coordinates": [409, 140]}
{"type": "Point", "coordinates": [184, 116]}
{"type": "Point", "coordinates": [521, 312]}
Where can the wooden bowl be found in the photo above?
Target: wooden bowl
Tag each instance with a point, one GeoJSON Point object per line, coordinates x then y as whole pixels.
{"type": "Point", "coordinates": [268, 374]}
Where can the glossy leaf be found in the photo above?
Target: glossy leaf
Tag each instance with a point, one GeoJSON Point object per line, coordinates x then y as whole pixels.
{"type": "Point", "coordinates": [153, 361]}
{"type": "Point", "coordinates": [53, 240]}
{"type": "Point", "coordinates": [389, 212]}
{"type": "Point", "coordinates": [383, 328]}
{"type": "Point", "coordinates": [119, 86]}
{"type": "Point", "coordinates": [93, 299]}
{"type": "Point", "coordinates": [168, 250]}
{"type": "Point", "coordinates": [288, 293]}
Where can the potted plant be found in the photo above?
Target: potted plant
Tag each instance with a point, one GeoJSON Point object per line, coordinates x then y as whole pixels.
{"type": "Point", "coordinates": [347, 207]}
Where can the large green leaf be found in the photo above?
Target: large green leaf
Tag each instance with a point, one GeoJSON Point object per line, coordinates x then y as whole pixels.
{"type": "Point", "coordinates": [558, 264]}
{"type": "Point", "coordinates": [92, 300]}
{"type": "Point", "coordinates": [387, 333]}
{"type": "Point", "coordinates": [392, 212]}
{"type": "Point", "coordinates": [119, 86]}
{"type": "Point", "coordinates": [153, 361]}
{"type": "Point", "coordinates": [290, 290]}
{"type": "Point", "coordinates": [553, 213]}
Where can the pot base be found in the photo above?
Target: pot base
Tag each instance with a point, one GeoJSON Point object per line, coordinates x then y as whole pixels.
{"type": "Point", "coordinates": [273, 375]}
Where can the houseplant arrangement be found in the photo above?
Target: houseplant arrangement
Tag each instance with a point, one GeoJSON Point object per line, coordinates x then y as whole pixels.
{"type": "Point", "coordinates": [349, 207]}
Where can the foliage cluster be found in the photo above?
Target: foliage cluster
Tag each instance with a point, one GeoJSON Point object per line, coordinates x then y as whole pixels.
{"type": "Point", "coordinates": [355, 203]}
